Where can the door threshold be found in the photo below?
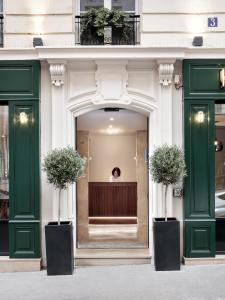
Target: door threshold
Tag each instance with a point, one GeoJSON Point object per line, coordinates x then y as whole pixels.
{"type": "Point", "coordinates": [218, 259]}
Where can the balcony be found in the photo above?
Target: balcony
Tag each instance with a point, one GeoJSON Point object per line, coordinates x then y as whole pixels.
{"type": "Point", "coordinates": [1, 30]}
{"type": "Point", "coordinates": [126, 34]}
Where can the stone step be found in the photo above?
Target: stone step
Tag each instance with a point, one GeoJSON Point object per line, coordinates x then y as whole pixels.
{"type": "Point", "coordinates": [103, 257]}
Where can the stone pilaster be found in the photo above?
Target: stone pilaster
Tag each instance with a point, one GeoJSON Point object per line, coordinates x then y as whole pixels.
{"type": "Point", "coordinates": [58, 128]}
{"type": "Point", "coordinates": [165, 69]}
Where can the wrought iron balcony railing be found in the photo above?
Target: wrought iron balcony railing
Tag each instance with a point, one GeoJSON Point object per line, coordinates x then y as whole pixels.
{"type": "Point", "coordinates": [128, 35]}
{"type": "Point", "coordinates": [1, 30]}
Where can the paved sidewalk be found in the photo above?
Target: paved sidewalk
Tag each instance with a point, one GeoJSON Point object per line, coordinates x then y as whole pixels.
{"type": "Point", "coordinates": [117, 282]}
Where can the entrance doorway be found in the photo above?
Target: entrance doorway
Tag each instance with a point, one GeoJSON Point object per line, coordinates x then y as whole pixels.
{"type": "Point", "coordinates": [112, 197]}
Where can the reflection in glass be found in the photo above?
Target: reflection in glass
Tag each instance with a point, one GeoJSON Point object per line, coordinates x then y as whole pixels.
{"type": "Point", "coordinates": [125, 5]}
{"type": "Point", "coordinates": [4, 164]}
{"type": "Point", "coordinates": [87, 4]}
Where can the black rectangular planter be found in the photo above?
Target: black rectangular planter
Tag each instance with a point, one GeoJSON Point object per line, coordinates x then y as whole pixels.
{"type": "Point", "coordinates": [59, 248]}
{"type": "Point", "coordinates": [166, 244]}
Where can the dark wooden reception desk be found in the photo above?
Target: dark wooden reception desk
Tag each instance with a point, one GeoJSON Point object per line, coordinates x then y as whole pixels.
{"type": "Point", "coordinates": [112, 199]}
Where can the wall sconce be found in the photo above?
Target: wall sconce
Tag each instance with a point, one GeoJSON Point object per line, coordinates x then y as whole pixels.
{"type": "Point", "coordinates": [200, 117]}
{"type": "Point", "coordinates": [23, 118]}
{"type": "Point", "coordinates": [222, 78]}
{"type": "Point", "coordinates": [37, 42]}
{"type": "Point", "coordinates": [197, 41]}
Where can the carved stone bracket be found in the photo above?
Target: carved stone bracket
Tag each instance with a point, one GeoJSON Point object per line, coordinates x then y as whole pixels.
{"type": "Point", "coordinates": [57, 72]}
{"type": "Point", "coordinates": [111, 82]}
{"type": "Point", "coordinates": [165, 73]}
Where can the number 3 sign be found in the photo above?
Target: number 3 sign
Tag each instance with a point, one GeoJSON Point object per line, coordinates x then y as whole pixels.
{"type": "Point", "coordinates": [213, 22]}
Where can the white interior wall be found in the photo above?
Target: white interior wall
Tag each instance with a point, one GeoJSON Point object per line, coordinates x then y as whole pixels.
{"type": "Point", "coordinates": [109, 151]}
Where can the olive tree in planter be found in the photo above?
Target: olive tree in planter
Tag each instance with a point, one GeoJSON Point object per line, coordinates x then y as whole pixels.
{"type": "Point", "coordinates": [63, 167]}
{"type": "Point", "coordinates": [167, 167]}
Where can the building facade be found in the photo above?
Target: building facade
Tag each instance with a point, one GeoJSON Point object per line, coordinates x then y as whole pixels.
{"type": "Point", "coordinates": [51, 77]}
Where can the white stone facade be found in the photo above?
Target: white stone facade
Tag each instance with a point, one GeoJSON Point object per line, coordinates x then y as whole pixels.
{"type": "Point", "coordinates": [145, 86]}
{"type": "Point", "coordinates": [163, 23]}
{"type": "Point", "coordinates": [78, 79]}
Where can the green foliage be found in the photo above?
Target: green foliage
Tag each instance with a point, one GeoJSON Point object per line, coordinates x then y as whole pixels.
{"type": "Point", "coordinates": [94, 21]}
{"type": "Point", "coordinates": [63, 167]}
{"type": "Point", "coordinates": [167, 165]}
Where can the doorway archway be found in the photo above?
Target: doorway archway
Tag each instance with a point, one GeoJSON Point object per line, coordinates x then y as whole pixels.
{"type": "Point", "coordinates": [141, 103]}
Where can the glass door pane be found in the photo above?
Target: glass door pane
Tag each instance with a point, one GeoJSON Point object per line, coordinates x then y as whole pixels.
{"type": "Point", "coordinates": [220, 176]}
{"type": "Point", "coordinates": [4, 181]}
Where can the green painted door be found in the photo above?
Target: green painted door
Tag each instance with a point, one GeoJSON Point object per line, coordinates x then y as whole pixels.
{"type": "Point", "coordinates": [19, 88]}
{"type": "Point", "coordinates": [201, 90]}
{"type": "Point", "coordinates": [24, 179]}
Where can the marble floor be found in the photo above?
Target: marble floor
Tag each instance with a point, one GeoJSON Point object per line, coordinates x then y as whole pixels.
{"type": "Point", "coordinates": [112, 236]}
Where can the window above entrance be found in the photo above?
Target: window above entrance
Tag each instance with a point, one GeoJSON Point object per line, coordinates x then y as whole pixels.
{"type": "Point", "coordinates": [117, 23]}
{"type": "Point", "coordinates": [124, 5]}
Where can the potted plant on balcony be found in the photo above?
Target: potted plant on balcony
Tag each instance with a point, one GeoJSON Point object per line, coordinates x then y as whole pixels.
{"type": "Point", "coordinates": [63, 167]}
{"type": "Point", "coordinates": [94, 25]}
{"type": "Point", "coordinates": [167, 167]}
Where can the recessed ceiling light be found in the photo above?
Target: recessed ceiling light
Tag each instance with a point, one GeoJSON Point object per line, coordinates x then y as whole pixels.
{"type": "Point", "coordinates": [113, 130]}
{"type": "Point", "coordinates": [111, 119]}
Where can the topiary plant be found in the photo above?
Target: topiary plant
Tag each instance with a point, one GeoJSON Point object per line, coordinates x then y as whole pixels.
{"type": "Point", "coordinates": [167, 166]}
{"type": "Point", "coordinates": [63, 167]}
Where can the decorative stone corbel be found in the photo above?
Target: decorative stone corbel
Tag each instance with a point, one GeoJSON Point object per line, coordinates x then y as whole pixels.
{"type": "Point", "coordinates": [166, 73]}
{"type": "Point", "coordinates": [57, 72]}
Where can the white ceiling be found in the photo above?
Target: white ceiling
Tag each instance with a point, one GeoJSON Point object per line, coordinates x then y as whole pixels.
{"type": "Point", "coordinates": [125, 121]}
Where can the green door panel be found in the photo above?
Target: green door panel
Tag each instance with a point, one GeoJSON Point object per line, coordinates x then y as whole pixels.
{"type": "Point", "coordinates": [200, 238]}
{"type": "Point", "coordinates": [19, 80]}
{"type": "Point", "coordinates": [199, 155]}
{"type": "Point", "coordinates": [24, 239]}
{"type": "Point", "coordinates": [24, 161]}
{"type": "Point", "coordinates": [201, 79]}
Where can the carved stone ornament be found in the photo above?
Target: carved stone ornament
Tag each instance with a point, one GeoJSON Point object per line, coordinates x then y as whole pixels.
{"type": "Point", "coordinates": [111, 81]}
{"type": "Point", "coordinates": [166, 74]}
{"type": "Point", "coordinates": [57, 72]}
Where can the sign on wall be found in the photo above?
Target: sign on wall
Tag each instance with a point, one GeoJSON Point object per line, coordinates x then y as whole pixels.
{"type": "Point", "coordinates": [213, 22]}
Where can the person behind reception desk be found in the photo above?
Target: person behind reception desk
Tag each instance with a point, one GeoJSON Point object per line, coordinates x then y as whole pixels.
{"type": "Point", "coordinates": [115, 177]}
